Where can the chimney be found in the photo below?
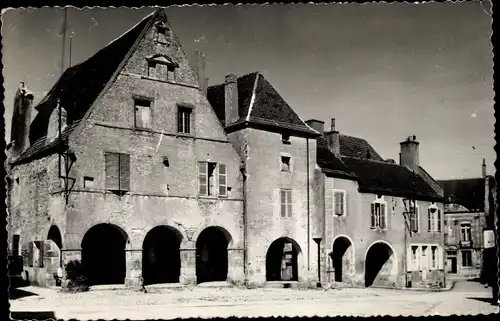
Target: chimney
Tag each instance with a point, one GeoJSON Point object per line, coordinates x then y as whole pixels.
{"type": "Point", "coordinates": [483, 167]}
{"type": "Point", "coordinates": [199, 64]}
{"type": "Point", "coordinates": [231, 99]}
{"type": "Point", "coordinates": [333, 139]}
{"type": "Point", "coordinates": [409, 153]}
{"type": "Point", "coordinates": [317, 125]}
{"type": "Point", "coordinates": [21, 119]}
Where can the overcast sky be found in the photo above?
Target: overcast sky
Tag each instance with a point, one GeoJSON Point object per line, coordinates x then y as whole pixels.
{"type": "Point", "coordinates": [384, 71]}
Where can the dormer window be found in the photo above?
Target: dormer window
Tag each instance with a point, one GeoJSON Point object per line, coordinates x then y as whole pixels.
{"type": "Point", "coordinates": [162, 67]}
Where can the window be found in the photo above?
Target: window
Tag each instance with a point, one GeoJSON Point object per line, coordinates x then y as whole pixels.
{"type": "Point", "coordinates": [433, 257]}
{"type": "Point", "coordinates": [285, 139]}
{"type": "Point", "coordinates": [117, 172]}
{"type": "Point", "coordinates": [285, 163]}
{"type": "Point", "coordinates": [152, 69]}
{"type": "Point", "coordinates": [414, 257]}
{"type": "Point", "coordinates": [465, 235]}
{"type": "Point", "coordinates": [414, 218]}
{"type": "Point", "coordinates": [184, 120]}
{"type": "Point", "coordinates": [466, 258]}
{"type": "Point", "coordinates": [161, 34]}
{"type": "Point", "coordinates": [339, 199]}
{"type": "Point", "coordinates": [142, 113]}
{"type": "Point", "coordinates": [434, 219]}
{"type": "Point", "coordinates": [208, 185]}
{"type": "Point", "coordinates": [286, 203]}
{"type": "Point", "coordinates": [170, 72]}
{"type": "Point", "coordinates": [15, 244]}
{"type": "Point", "coordinates": [379, 214]}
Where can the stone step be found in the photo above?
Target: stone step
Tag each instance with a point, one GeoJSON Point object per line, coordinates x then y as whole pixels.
{"type": "Point", "coordinates": [282, 284]}
{"type": "Point", "coordinates": [215, 284]}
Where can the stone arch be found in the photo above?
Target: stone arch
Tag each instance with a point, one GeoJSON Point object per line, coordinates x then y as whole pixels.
{"type": "Point", "coordinates": [212, 254]}
{"type": "Point", "coordinates": [282, 260]}
{"type": "Point", "coordinates": [381, 264]}
{"type": "Point", "coordinates": [103, 254]}
{"type": "Point", "coordinates": [161, 258]}
{"type": "Point", "coordinates": [52, 252]}
{"type": "Point", "coordinates": [343, 258]}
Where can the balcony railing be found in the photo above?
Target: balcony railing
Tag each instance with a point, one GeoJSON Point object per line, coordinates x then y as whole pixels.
{"type": "Point", "coordinates": [465, 244]}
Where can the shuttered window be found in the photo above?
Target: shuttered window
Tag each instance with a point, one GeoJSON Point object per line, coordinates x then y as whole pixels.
{"type": "Point", "coordinates": [378, 215]}
{"type": "Point", "coordinates": [414, 219]}
{"type": "Point", "coordinates": [212, 179]}
{"type": "Point", "coordinates": [117, 172]}
{"type": "Point", "coordinates": [439, 220]}
{"type": "Point", "coordinates": [31, 251]}
{"type": "Point", "coordinates": [339, 200]}
{"type": "Point", "coordinates": [142, 113]}
{"type": "Point", "coordinates": [222, 180]}
{"type": "Point", "coordinates": [286, 202]}
{"type": "Point", "coordinates": [434, 219]}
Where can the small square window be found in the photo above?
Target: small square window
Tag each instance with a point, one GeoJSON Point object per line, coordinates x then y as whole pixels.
{"type": "Point", "coordinates": [285, 164]}
{"type": "Point", "coordinates": [285, 139]}
{"type": "Point", "coordinates": [142, 113]}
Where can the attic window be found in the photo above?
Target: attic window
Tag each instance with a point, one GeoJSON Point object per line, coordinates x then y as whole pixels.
{"type": "Point", "coordinates": [285, 139]}
{"type": "Point", "coordinates": [161, 33]}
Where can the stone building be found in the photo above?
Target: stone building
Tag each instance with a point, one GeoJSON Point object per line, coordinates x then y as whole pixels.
{"type": "Point", "coordinates": [132, 170]}
{"type": "Point", "coordinates": [279, 152]}
{"type": "Point", "coordinates": [469, 210]}
{"type": "Point", "coordinates": [367, 233]}
{"type": "Point", "coordinates": [129, 170]}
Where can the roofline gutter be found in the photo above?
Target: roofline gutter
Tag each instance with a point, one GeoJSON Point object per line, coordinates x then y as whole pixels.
{"type": "Point", "coordinates": [403, 195]}
{"type": "Point", "coordinates": [242, 124]}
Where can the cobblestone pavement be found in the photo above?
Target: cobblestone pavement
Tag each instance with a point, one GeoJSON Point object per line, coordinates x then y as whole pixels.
{"type": "Point", "coordinates": [465, 298]}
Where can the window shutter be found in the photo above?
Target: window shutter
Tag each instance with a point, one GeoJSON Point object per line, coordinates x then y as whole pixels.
{"type": "Point", "coordinates": [417, 219]}
{"type": "Point", "coordinates": [283, 202]}
{"type": "Point", "coordinates": [439, 220]}
{"type": "Point", "coordinates": [373, 215]}
{"type": "Point", "coordinates": [30, 253]}
{"type": "Point", "coordinates": [146, 117]}
{"type": "Point", "coordinates": [112, 171]}
{"type": "Point", "coordinates": [222, 180]}
{"type": "Point", "coordinates": [383, 217]}
{"type": "Point", "coordinates": [202, 178]}
{"type": "Point", "coordinates": [138, 117]}
{"type": "Point", "coordinates": [41, 255]}
{"type": "Point", "coordinates": [429, 218]}
{"type": "Point", "coordinates": [124, 172]}
{"type": "Point", "coordinates": [440, 262]}
{"type": "Point", "coordinates": [409, 259]}
{"type": "Point", "coordinates": [179, 121]}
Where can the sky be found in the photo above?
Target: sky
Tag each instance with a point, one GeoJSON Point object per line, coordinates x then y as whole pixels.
{"type": "Point", "coordinates": [383, 71]}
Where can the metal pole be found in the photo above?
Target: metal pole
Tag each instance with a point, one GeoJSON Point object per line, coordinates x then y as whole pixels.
{"type": "Point", "coordinates": [64, 39]}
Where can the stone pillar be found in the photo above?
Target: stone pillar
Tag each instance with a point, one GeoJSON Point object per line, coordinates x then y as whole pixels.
{"type": "Point", "coordinates": [235, 272]}
{"type": "Point", "coordinates": [188, 264]}
{"type": "Point", "coordinates": [133, 268]}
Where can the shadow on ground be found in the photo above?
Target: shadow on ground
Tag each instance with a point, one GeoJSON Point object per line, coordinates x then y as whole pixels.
{"type": "Point", "coordinates": [18, 293]}
{"type": "Point", "coordinates": [478, 280]}
{"type": "Point", "coordinates": [33, 315]}
{"type": "Point", "coordinates": [486, 300]}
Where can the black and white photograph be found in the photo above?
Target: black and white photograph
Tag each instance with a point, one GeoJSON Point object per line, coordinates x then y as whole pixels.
{"type": "Point", "coordinates": [250, 160]}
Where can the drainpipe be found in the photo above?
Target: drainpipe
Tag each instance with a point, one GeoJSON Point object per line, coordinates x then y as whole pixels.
{"type": "Point", "coordinates": [308, 212]}
{"type": "Point", "coordinates": [245, 259]}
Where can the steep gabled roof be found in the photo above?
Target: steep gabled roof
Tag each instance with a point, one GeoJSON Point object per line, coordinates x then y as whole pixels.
{"type": "Point", "coordinates": [259, 104]}
{"type": "Point", "coordinates": [329, 163]}
{"type": "Point", "coordinates": [374, 175]}
{"type": "Point", "coordinates": [468, 192]}
{"type": "Point", "coordinates": [351, 146]}
{"type": "Point", "coordinates": [390, 179]}
{"type": "Point", "coordinates": [80, 85]}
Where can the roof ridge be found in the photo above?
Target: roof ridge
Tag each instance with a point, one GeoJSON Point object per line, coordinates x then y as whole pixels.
{"type": "Point", "coordinates": [252, 99]}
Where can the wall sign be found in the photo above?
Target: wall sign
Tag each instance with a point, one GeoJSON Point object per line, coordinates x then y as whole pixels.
{"type": "Point", "coordinates": [489, 239]}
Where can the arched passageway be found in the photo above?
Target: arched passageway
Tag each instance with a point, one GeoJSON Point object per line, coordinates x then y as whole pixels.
{"type": "Point", "coordinates": [103, 254]}
{"type": "Point", "coordinates": [211, 255]}
{"type": "Point", "coordinates": [282, 260]}
{"type": "Point", "coordinates": [342, 258]}
{"type": "Point", "coordinates": [161, 258]}
{"type": "Point", "coordinates": [379, 264]}
{"type": "Point", "coordinates": [52, 252]}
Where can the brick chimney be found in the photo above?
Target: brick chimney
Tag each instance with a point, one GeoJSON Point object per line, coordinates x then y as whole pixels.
{"type": "Point", "coordinates": [409, 156]}
{"type": "Point", "coordinates": [317, 125]}
{"type": "Point", "coordinates": [21, 119]}
{"type": "Point", "coordinates": [333, 139]}
{"type": "Point", "coordinates": [231, 99]}
{"type": "Point", "coordinates": [199, 64]}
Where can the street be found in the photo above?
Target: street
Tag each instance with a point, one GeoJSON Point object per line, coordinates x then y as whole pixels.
{"type": "Point", "coordinates": [465, 298]}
